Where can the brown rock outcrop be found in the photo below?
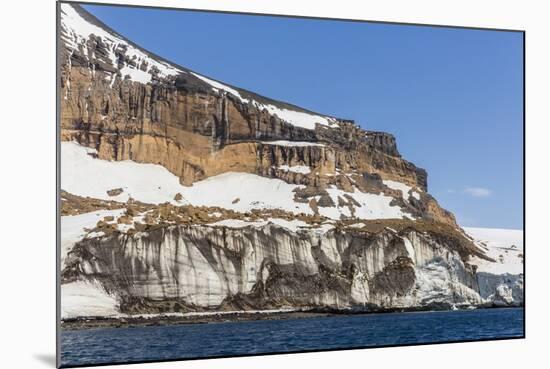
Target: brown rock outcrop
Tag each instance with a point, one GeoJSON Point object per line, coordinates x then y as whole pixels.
{"type": "Point", "coordinates": [196, 131]}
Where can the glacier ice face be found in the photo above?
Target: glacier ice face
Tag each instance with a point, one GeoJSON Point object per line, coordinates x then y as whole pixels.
{"type": "Point", "coordinates": [501, 289]}
{"type": "Point", "coordinates": [269, 266]}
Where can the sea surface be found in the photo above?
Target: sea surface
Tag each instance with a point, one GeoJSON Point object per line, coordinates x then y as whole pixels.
{"type": "Point", "coordinates": [117, 345]}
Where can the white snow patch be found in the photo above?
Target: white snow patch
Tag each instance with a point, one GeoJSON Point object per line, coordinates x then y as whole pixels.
{"type": "Point", "coordinates": [324, 228]}
{"type": "Point", "coordinates": [238, 223]}
{"type": "Point", "coordinates": [371, 206]}
{"type": "Point", "coordinates": [84, 175]}
{"type": "Point", "coordinates": [95, 234]}
{"type": "Point", "coordinates": [298, 118]}
{"type": "Point", "coordinates": [303, 169]}
{"type": "Point", "coordinates": [253, 192]}
{"type": "Point", "coordinates": [216, 86]}
{"type": "Point", "coordinates": [80, 299]}
{"type": "Point", "coordinates": [78, 31]}
{"type": "Point", "coordinates": [377, 207]}
{"type": "Point", "coordinates": [502, 245]}
{"type": "Point", "coordinates": [73, 228]}
{"type": "Point", "coordinates": [293, 225]}
{"type": "Point", "coordinates": [394, 185]}
{"type": "Point", "coordinates": [292, 143]}
{"type": "Point", "coordinates": [135, 74]}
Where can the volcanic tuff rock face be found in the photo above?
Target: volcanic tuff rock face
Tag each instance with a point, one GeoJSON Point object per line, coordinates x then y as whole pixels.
{"type": "Point", "coordinates": [184, 193]}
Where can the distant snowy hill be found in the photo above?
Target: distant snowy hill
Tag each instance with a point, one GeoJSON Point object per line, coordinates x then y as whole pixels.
{"type": "Point", "coordinates": [503, 245]}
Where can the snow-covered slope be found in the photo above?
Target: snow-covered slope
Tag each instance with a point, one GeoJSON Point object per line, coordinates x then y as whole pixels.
{"type": "Point", "coordinates": [86, 299]}
{"type": "Point", "coordinates": [73, 228]}
{"type": "Point", "coordinates": [406, 190]}
{"type": "Point", "coordinates": [143, 67]}
{"type": "Point", "coordinates": [84, 175]}
{"type": "Point", "coordinates": [77, 31]}
{"type": "Point", "coordinates": [503, 245]}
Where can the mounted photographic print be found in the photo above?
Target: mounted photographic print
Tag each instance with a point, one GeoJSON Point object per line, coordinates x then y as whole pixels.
{"type": "Point", "coordinates": [242, 184]}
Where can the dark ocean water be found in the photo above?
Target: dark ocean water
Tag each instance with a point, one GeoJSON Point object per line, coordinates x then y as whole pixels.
{"type": "Point", "coordinates": [96, 346]}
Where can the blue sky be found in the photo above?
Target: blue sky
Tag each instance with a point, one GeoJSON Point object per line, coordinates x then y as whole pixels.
{"type": "Point", "coordinates": [452, 97]}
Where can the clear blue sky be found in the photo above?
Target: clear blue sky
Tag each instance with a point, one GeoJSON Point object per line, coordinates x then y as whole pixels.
{"type": "Point", "coordinates": [452, 97]}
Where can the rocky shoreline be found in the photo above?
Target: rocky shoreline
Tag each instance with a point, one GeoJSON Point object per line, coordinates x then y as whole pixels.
{"type": "Point", "coordinates": [83, 323]}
